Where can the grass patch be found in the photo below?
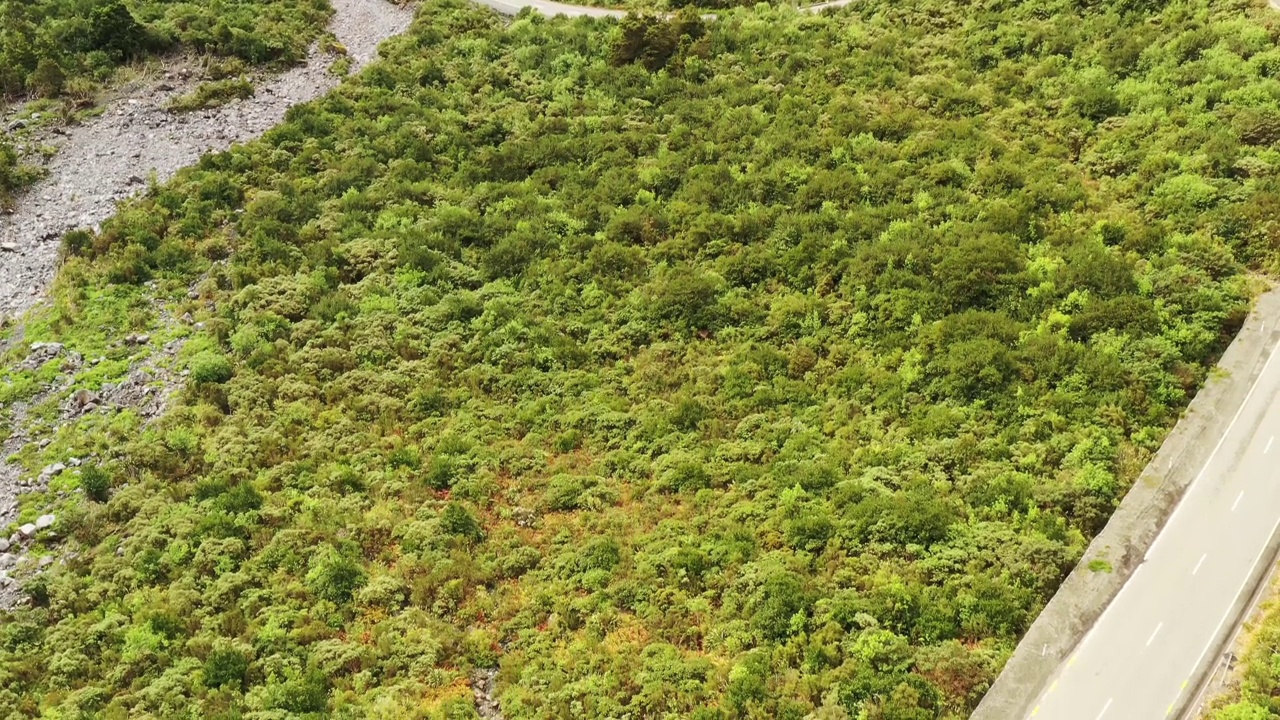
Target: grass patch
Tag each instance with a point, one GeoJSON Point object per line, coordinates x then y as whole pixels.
{"type": "Point", "coordinates": [213, 94]}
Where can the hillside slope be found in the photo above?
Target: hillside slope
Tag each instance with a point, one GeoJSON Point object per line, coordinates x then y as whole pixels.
{"type": "Point", "coordinates": [772, 366]}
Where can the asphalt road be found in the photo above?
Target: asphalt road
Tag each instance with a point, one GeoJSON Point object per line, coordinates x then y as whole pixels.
{"type": "Point", "coordinates": [1144, 657]}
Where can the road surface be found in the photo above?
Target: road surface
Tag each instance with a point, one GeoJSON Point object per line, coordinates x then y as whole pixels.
{"type": "Point", "coordinates": [1144, 657]}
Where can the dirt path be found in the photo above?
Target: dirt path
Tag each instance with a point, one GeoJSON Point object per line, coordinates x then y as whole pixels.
{"type": "Point", "coordinates": [109, 158]}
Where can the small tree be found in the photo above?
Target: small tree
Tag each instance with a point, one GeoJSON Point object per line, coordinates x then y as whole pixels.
{"type": "Point", "coordinates": [334, 576]}
{"type": "Point", "coordinates": [225, 666]}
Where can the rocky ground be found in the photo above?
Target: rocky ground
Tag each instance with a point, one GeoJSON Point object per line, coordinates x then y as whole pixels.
{"type": "Point", "coordinates": [145, 388]}
{"type": "Point", "coordinates": [112, 156]}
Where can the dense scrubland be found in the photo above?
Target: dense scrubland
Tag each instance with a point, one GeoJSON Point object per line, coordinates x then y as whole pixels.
{"type": "Point", "coordinates": [774, 367]}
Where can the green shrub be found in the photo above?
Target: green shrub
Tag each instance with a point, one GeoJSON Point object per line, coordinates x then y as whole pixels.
{"type": "Point", "coordinates": [95, 482]}
{"type": "Point", "coordinates": [225, 666]}
{"type": "Point", "coordinates": [457, 520]}
{"type": "Point", "coordinates": [333, 576]}
{"type": "Point", "coordinates": [210, 368]}
{"type": "Point", "coordinates": [47, 79]}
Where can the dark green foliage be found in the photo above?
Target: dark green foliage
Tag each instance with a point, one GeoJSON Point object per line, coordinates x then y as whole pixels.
{"type": "Point", "coordinates": [456, 520]}
{"type": "Point", "coordinates": [45, 44]}
{"type": "Point", "coordinates": [782, 606]}
{"type": "Point", "coordinates": [653, 41]}
{"type": "Point", "coordinates": [114, 31]}
{"type": "Point", "coordinates": [334, 576]}
{"type": "Point", "coordinates": [95, 482]}
{"type": "Point", "coordinates": [307, 693]}
{"type": "Point", "coordinates": [225, 666]}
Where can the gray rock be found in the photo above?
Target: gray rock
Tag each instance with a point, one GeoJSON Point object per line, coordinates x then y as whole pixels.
{"type": "Point", "coordinates": [44, 521]}
{"type": "Point", "coordinates": [27, 531]}
{"type": "Point", "coordinates": [82, 398]}
{"type": "Point", "coordinates": [45, 561]}
{"type": "Point", "coordinates": [4, 545]}
{"type": "Point", "coordinates": [8, 247]}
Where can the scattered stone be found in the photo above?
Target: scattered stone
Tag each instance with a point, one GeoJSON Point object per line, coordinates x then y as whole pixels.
{"type": "Point", "coordinates": [44, 521]}
{"type": "Point", "coordinates": [4, 545]}
{"type": "Point", "coordinates": [482, 687]}
{"type": "Point", "coordinates": [8, 247]}
{"type": "Point", "coordinates": [45, 561]}
{"type": "Point", "coordinates": [40, 353]}
{"type": "Point", "coordinates": [27, 531]}
{"type": "Point", "coordinates": [8, 560]}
